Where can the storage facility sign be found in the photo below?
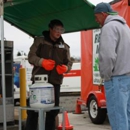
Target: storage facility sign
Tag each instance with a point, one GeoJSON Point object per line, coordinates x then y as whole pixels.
{"type": "Point", "coordinates": [96, 74]}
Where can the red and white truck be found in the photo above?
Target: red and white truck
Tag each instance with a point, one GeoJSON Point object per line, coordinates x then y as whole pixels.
{"type": "Point", "coordinates": [72, 80]}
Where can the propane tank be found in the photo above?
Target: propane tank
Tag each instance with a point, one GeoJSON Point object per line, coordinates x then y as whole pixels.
{"type": "Point", "coordinates": [41, 93]}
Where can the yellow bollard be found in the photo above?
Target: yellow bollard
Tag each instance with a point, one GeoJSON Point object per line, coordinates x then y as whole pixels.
{"type": "Point", "coordinates": [22, 76]}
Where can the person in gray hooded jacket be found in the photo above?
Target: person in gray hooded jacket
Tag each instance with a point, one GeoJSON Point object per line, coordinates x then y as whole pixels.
{"type": "Point", "coordinates": [114, 64]}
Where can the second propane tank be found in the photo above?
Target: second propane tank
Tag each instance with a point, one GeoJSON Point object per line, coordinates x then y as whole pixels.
{"type": "Point", "coordinates": [41, 93]}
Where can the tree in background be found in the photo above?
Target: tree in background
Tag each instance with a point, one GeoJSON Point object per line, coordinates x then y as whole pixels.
{"type": "Point", "coordinates": [21, 53]}
{"type": "Point", "coordinates": [75, 59]}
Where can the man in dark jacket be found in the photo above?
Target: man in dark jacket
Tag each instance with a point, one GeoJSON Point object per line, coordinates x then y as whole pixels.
{"type": "Point", "coordinates": [50, 55]}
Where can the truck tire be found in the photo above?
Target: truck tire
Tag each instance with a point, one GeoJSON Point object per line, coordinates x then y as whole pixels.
{"type": "Point", "coordinates": [96, 114]}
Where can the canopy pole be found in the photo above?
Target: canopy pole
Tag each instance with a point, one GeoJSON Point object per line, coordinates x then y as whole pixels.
{"type": "Point", "coordinates": [3, 63]}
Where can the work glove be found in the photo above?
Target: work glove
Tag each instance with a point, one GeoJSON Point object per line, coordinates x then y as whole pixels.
{"type": "Point", "coordinates": [61, 69]}
{"type": "Point", "coordinates": [48, 64]}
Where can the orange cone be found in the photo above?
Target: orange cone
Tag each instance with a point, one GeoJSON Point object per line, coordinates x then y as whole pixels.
{"type": "Point", "coordinates": [67, 124]}
{"type": "Point", "coordinates": [78, 109]}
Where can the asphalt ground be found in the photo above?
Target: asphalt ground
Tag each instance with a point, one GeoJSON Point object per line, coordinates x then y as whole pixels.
{"type": "Point", "coordinates": [77, 121]}
{"type": "Point", "coordinates": [83, 122]}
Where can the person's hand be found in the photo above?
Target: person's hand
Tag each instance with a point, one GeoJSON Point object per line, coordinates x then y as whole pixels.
{"type": "Point", "coordinates": [48, 64]}
{"type": "Point", "coordinates": [61, 69]}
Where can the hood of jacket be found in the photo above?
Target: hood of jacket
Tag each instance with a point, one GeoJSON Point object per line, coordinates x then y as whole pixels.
{"type": "Point", "coordinates": [114, 18]}
{"type": "Point", "coordinates": [46, 35]}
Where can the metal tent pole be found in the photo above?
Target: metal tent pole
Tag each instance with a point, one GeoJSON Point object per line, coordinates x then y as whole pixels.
{"type": "Point", "coordinates": [3, 63]}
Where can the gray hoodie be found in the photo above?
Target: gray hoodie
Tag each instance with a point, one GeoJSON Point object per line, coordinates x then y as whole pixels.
{"type": "Point", "coordinates": [114, 50]}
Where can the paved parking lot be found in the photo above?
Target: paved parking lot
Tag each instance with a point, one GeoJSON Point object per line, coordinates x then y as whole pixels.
{"type": "Point", "coordinates": [83, 122]}
{"type": "Point", "coordinates": [78, 121]}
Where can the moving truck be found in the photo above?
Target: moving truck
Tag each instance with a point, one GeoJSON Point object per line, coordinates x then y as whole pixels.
{"type": "Point", "coordinates": [72, 80]}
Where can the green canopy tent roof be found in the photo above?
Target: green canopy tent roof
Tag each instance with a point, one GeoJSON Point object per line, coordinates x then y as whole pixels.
{"type": "Point", "coordinates": [33, 16]}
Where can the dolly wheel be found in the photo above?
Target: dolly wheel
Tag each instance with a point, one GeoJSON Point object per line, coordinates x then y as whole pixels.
{"type": "Point", "coordinates": [96, 114]}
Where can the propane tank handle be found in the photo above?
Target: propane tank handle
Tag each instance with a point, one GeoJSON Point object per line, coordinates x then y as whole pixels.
{"type": "Point", "coordinates": [41, 78]}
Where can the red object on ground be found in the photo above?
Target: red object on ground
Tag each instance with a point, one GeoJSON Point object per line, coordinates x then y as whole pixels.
{"type": "Point", "coordinates": [67, 124]}
{"type": "Point", "coordinates": [78, 106]}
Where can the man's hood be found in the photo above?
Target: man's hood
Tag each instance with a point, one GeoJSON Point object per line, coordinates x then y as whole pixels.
{"type": "Point", "coordinates": [115, 18]}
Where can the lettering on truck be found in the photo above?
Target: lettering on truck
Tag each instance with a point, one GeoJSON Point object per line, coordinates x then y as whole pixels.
{"type": "Point", "coordinates": [72, 80]}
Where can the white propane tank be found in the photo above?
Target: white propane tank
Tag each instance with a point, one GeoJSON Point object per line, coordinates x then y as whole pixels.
{"type": "Point", "coordinates": [41, 93]}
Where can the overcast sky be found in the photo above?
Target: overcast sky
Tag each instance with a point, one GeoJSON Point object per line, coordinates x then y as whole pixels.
{"type": "Point", "coordinates": [22, 41]}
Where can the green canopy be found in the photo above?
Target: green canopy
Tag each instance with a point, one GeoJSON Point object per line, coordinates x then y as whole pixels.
{"type": "Point", "coordinates": [33, 16]}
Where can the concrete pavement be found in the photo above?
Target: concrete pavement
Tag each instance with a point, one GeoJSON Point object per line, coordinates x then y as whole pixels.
{"type": "Point", "coordinates": [78, 121]}
{"type": "Point", "coordinates": [83, 122]}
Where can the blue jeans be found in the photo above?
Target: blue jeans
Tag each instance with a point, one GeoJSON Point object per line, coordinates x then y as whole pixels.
{"type": "Point", "coordinates": [118, 102]}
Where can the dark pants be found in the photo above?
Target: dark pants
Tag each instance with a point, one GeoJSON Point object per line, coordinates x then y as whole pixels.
{"type": "Point", "coordinates": [32, 118]}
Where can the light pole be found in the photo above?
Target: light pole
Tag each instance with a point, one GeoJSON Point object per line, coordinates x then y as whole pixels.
{"type": "Point", "coordinates": [3, 62]}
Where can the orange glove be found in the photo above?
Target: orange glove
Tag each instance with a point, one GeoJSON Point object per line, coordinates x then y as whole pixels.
{"type": "Point", "coordinates": [48, 64]}
{"type": "Point", "coordinates": [61, 69]}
